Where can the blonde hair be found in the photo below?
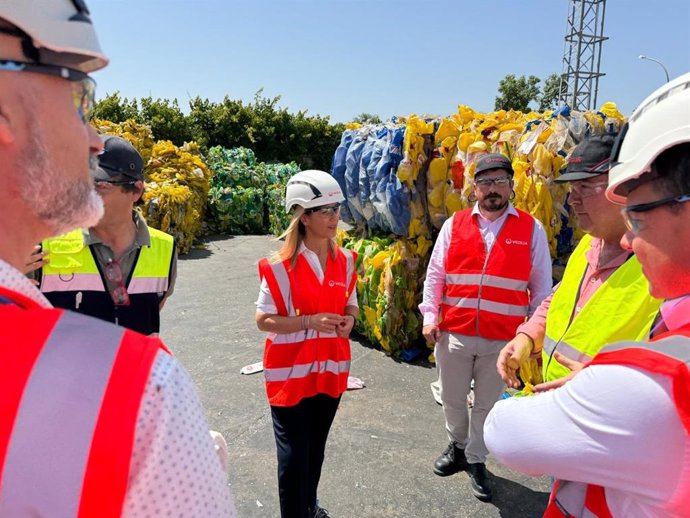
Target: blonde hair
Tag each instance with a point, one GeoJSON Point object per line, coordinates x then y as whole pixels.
{"type": "Point", "coordinates": [293, 236]}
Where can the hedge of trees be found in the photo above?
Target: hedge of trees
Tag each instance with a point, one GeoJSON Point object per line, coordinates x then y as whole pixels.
{"type": "Point", "coordinates": [272, 132]}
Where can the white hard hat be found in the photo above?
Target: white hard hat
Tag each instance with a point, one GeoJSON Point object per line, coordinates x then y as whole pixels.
{"type": "Point", "coordinates": [660, 122]}
{"type": "Point", "coordinates": [312, 188]}
{"type": "Point", "coordinates": [56, 32]}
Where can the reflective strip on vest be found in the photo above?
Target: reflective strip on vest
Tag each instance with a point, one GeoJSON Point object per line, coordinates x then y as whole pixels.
{"type": "Point", "coordinates": [486, 280]}
{"type": "Point", "coordinates": [72, 282]}
{"type": "Point", "coordinates": [283, 281]}
{"type": "Point", "coordinates": [148, 285]}
{"type": "Point", "coordinates": [565, 349]}
{"type": "Point", "coordinates": [487, 305]}
{"type": "Point", "coordinates": [299, 337]}
{"type": "Point", "coordinates": [47, 444]}
{"type": "Point", "coordinates": [302, 371]}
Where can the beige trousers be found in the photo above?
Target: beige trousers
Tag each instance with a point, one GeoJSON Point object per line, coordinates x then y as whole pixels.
{"type": "Point", "coordinates": [459, 360]}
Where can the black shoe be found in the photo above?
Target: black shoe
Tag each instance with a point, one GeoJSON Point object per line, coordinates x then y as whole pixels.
{"type": "Point", "coordinates": [451, 461]}
{"type": "Point", "coordinates": [320, 512]}
{"type": "Point", "coordinates": [479, 478]}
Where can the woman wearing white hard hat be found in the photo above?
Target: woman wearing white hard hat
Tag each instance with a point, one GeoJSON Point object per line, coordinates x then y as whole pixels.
{"type": "Point", "coordinates": [307, 306]}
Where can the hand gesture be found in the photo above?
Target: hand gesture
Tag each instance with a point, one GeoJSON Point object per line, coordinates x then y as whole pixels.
{"type": "Point", "coordinates": [514, 354]}
{"type": "Point", "coordinates": [345, 327]}
{"type": "Point", "coordinates": [574, 366]}
{"type": "Point", "coordinates": [325, 322]}
{"type": "Point", "coordinates": [431, 333]}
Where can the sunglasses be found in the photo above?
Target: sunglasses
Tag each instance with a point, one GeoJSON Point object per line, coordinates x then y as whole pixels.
{"type": "Point", "coordinates": [327, 210]}
{"type": "Point", "coordinates": [83, 86]}
{"type": "Point", "coordinates": [108, 183]}
{"type": "Point", "coordinates": [113, 272]}
{"type": "Point", "coordinates": [634, 225]}
{"type": "Point", "coordinates": [486, 182]}
{"type": "Point", "coordinates": [585, 190]}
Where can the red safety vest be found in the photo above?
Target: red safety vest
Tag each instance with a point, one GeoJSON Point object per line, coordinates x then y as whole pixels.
{"type": "Point", "coordinates": [306, 363]}
{"type": "Point", "coordinates": [486, 294]}
{"type": "Point", "coordinates": [668, 355]}
{"type": "Point", "coordinates": [71, 389]}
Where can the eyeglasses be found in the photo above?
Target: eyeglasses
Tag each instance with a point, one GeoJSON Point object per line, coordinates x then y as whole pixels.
{"type": "Point", "coordinates": [635, 225]}
{"type": "Point", "coordinates": [498, 180]}
{"type": "Point", "coordinates": [105, 184]}
{"type": "Point", "coordinates": [113, 272]}
{"type": "Point", "coordinates": [83, 86]}
{"type": "Point", "coordinates": [585, 190]}
{"type": "Point", "coordinates": [328, 210]}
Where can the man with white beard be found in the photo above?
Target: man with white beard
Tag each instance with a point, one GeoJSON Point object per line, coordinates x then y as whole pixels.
{"type": "Point", "coordinates": [127, 434]}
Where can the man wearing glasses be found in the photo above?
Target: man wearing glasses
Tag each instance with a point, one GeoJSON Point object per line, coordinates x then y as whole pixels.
{"type": "Point", "coordinates": [490, 268]}
{"type": "Point", "coordinates": [96, 420]}
{"type": "Point", "coordinates": [617, 435]}
{"type": "Point", "coordinates": [119, 270]}
{"type": "Point", "coordinates": [603, 296]}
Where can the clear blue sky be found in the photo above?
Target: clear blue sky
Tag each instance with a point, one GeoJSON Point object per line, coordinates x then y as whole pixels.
{"type": "Point", "coordinates": [389, 57]}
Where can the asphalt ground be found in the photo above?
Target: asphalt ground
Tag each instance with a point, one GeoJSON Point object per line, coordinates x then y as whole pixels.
{"type": "Point", "coordinates": [385, 437]}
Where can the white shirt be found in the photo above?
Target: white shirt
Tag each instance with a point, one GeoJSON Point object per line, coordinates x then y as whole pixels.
{"type": "Point", "coordinates": [175, 471]}
{"type": "Point", "coordinates": [265, 302]}
{"type": "Point", "coordinates": [610, 425]}
{"type": "Point", "coordinates": [539, 283]}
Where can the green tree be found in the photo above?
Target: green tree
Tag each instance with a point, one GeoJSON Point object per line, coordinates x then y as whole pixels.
{"type": "Point", "coordinates": [166, 120]}
{"type": "Point", "coordinates": [115, 109]}
{"type": "Point", "coordinates": [554, 89]}
{"type": "Point", "coordinates": [367, 118]}
{"type": "Point", "coordinates": [515, 93]}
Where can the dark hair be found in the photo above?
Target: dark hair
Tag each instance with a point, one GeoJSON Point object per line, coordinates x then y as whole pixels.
{"type": "Point", "coordinates": [672, 171]}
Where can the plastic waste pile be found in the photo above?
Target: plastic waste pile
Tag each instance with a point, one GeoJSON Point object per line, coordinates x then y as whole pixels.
{"type": "Point", "coordinates": [403, 179]}
{"type": "Point", "coordinates": [246, 196]}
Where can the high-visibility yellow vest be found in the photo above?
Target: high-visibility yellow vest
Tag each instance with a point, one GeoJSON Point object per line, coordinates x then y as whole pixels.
{"type": "Point", "coordinates": [621, 309]}
{"type": "Point", "coordinates": [73, 280]}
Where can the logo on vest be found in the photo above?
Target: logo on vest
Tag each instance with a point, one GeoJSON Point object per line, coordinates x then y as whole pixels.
{"type": "Point", "coordinates": [515, 242]}
{"type": "Point", "coordinates": [332, 284]}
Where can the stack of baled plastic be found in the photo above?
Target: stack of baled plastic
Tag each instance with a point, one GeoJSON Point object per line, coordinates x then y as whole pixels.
{"type": "Point", "coordinates": [404, 178]}
{"type": "Point", "coordinates": [246, 196]}
{"type": "Point", "coordinates": [391, 276]}
{"type": "Point", "coordinates": [177, 185]}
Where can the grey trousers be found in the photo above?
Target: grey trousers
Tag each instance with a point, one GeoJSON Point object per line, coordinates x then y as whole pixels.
{"type": "Point", "coordinates": [459, 360]}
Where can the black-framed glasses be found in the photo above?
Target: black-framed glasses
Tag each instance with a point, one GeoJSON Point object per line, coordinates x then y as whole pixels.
{"type": "Point", "coordinates": [485, 182]}
{"type": "Point", "coordinates": [634, 225]}
{"type": "Point", "coordinates": [326, 210]}
{"type": "Point", "coordinates": [83, 86]}
{"type": "Point", "coordinates": [113, 272]}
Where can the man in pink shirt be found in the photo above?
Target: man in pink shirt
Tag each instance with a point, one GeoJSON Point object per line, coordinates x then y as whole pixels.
{"type": "Point", "coordinates": [603, 296]}
{"type": "Point", "coordinates": [489, 269]}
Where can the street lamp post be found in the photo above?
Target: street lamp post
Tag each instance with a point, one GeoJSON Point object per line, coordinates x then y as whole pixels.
{"type": "Point", "coordinates": [642, 56]}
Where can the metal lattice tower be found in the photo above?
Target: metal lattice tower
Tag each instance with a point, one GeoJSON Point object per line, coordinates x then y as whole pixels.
{"type": "Point", "coordinates": [582, 55]}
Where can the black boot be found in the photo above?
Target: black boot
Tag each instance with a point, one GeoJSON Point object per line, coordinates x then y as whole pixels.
{"type": "Point", "coordinates": [320, 512]}
{"type": "Point", "coordinates": [451, 461]}
{"type": "Point", "coordinates": [479, 478]}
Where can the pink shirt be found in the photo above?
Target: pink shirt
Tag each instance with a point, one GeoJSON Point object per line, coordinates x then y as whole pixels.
{"type": "Point", "coordinates": [539, 284]}
{"type": "Point", "coordinates": [595, 276]}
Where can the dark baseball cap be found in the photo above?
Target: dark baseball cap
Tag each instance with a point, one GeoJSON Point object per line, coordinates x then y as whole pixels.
{"type": "Point", "coordinates": [119, 158]}
{"type": "Point", "coordinates": [590, 158]}
{"type": "Point", "coordinates": [493, 161]}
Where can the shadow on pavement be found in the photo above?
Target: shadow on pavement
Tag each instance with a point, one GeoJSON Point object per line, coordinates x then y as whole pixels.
{"type": "Point", "coordinates": [514, 500]}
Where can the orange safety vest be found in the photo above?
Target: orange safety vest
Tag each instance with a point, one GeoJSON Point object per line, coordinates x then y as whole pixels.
{"type": "Point", "coordinates": [71, 390]}
{"type": "Point", "coordinates": [303, 364]}
{"type": "Point", "coordinates": [668, 355]}
{"type": "Point", "coordinates": [486, 294]}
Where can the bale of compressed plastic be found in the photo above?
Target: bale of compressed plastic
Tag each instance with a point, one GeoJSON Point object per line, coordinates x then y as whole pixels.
{"type": "Point", "coordinates": [177, 186]}
{"type": "Point", "coordinates": [139, 135]}
{"type": "Point", "coordinates": [390, 279]}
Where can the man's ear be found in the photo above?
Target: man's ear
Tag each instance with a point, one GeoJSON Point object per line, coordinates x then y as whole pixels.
{"type": "Point", "coordinates": [7, 120]}
{"type": "Point", "coordinates": [140, 190]}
